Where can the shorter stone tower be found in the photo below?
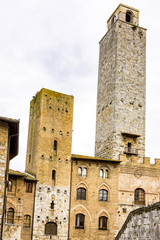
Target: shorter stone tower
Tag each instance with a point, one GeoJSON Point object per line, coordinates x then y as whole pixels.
{"type": "Point", "coordinates": [49, 159]}
{"type": "Point", "coordinates": [120, 124]}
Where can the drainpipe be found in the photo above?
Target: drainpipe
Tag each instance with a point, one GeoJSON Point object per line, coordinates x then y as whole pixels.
{"type": "Point", "coordinates": [6, 183]}
{"type": "Point", "coordinates": [70, 198]}
{"type": "Point", "coordinates": [33, 209]}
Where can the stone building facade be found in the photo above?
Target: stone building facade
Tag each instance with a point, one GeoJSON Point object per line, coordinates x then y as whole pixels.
{"type": "Point", "coordinates": [82, 197]}
{"type": "Point", "coordinates": [9, 135]}
{"type": "Point", "coordinates": [20, 206]}
{"type": "Point", "coordinates": [49, 159]}
{"type": "Point", "coordinates": [120, 124]}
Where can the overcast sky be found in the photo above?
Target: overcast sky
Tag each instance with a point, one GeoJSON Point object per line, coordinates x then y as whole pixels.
{"type": "Point", "coordinates": [54, 44]}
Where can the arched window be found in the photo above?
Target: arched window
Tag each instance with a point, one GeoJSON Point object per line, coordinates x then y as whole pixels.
{"type": "Point", "coordinates": [103, 195]}
{"type": "Point", "coordinates": [84, 172]}
{"type": "Point", "coordinates": [51, 228]}
{"type": "Point", "coordinates": [139, 196]}
{"type": "Point", "coordinates": [80, 221]}
{"type": "Point", "coordinates": [10, 215]}
{"type": "Point", "coordinates": [55, 146]}
{"type": "Point", "coordinates": [104, 172]}
{"type": "Point", "coordinates": [101, 173]}
{"type": "Point", "coordinates": [114, 19]}
{"type": "Point", "coordinates": [53, 174]}
{"type": "Point", "coordinates": [103, 223]}
{"type": "Point", "coordinates": [27, 221]}
{"type": "Point", "coordinates": [129, 16]}
{"type": "Point", "coordinates": [80, 171]}
{"type": "Point", "coordinates": [81, 194]}
{"type": "Point", "coordinates": [9, 186]}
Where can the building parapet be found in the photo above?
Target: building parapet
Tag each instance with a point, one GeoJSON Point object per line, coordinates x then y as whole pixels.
{"type": "Point", "coordinates": [140, 162]}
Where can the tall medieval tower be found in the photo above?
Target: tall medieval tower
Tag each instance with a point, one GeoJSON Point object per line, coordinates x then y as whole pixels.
{"type": "Point", "coordinates": [120, 127]}
{"type": "Point", "coordinates": [49, 159]}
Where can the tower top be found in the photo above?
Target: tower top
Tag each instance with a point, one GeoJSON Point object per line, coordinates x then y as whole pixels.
{"type": "Point", "coordinates": [125, 14]}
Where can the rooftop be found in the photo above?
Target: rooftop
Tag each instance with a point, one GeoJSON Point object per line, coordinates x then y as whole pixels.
{"type": "Point", "coordinates": [82, 157]}
{"type": "Point", "coordinates": [26, 176]}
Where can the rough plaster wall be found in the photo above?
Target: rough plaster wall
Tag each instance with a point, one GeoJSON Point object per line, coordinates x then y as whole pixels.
{"type": "Point", "coordinates": [3, 160]}
{"type": "Point", "coordinates": [44, 196]}
{"type": "Point", "coordinates": [143, 226]}
{"type": "Point", "coordinates": [12, 232]}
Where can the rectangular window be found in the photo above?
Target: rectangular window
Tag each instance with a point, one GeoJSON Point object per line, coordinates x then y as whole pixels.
{"type": "Point", "coordinates": [29, 187]}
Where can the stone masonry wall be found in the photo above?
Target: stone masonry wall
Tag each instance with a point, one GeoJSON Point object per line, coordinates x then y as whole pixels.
{"type": "Point", "coordinates": [142, 224]}
{"type": "Point", "coordinates": [121, 90]}
{"type": "Point", "coordinates": [12, 232]}
{"type": "Point", "coordinates": [3, 161]}
{"type": "Point", "coordinates": [43, 212]}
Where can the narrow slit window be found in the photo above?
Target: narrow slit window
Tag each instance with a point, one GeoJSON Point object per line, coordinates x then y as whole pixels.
{"type": "Point", "coordinates": [55, 145]}
{"type": "Point", "coordinates": [53, 174]}
{"type": "Point", "coordinates": [52, 205]}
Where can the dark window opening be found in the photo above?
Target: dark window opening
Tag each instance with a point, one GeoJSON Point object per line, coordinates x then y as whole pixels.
{"type": "Point", "coordinates": [81, 194]}
{"type": "Point", "coordinates": [10, 216]}
{"type": "Point", "coordinates": [52, 205]}
{"type": "Point", "coordinates": [103, 195]}
{"type": "Point", "coordinates": [29, 158]}
{"type": "Point", "coordinates": [80, 221]}
{"type": "Point", "coordinates": [27, 221]}
{"type": "Point", "coordinates": [103, 223]}
{"type": "Point", "coordinates": [55, 147]}
{"type": "Point", "coordinates": [29, 186]}
{"type": "Point", "coordinates": [129, 16]}
{"type": "Point", "coordinates": [139, 196]}
{"type": "Point", "coordinates": [129, 147]}
{"type": "Point", "coordinates": [51, 228]}
{"type": "Point", "coordinates": [53, 174]}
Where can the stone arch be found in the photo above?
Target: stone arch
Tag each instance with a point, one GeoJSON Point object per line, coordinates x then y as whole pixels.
{"type": "Point", "coordinates": [129, 16]}
{"type": "Point", "coordinates": [103, 212]}
{"type": "Point", "coordinates": [81, 208]}
{"type": "Point", "coordinates": [104, 186]}
{"type": "Point", "coordinates": [82, 185]}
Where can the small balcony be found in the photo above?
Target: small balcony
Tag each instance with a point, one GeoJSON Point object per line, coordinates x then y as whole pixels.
{"type": "Point", "coordinates": [131, 151]}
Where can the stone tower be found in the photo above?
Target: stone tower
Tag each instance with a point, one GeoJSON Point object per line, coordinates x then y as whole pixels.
{"type": "Point", "coordinates": [120, 124]}
{"type": "Point", "coordinates": [49, 159]}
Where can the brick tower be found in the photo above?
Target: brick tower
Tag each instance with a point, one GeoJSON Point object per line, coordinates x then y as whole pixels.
{"type": "Point", "coordinates": [49, 159]}
{"type": "Point", "coordinates": [120, 124]}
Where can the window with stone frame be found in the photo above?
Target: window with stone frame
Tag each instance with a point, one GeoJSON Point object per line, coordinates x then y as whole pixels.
{"type": "Point", "coordinates": [103, 195]}
{"type": "Point", "coordinates": [82, 171]}
{"type": "Point", "coordinates": [79, 171]}
{"type": "Point", "coordinates": [27, 221]}
{"type": "Point", "coordinates": [29, 186]}
{"type": "Point", "coordinates": [104, 172]}
{"type": "Point", "coordinates": [79, 221]}
{"type": "Point", "coordinates": [81, 194]}
{"type": "Point", "coordinates": [51, 228]}
{"type": "Point", "coordinates": [103, 223]}
{"type": "Point", "coordinates": [9, 186]}
{"type": "Point", "coordinates": [10, 216]}
{"type": "Point", "coordinates": [139, 196]}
